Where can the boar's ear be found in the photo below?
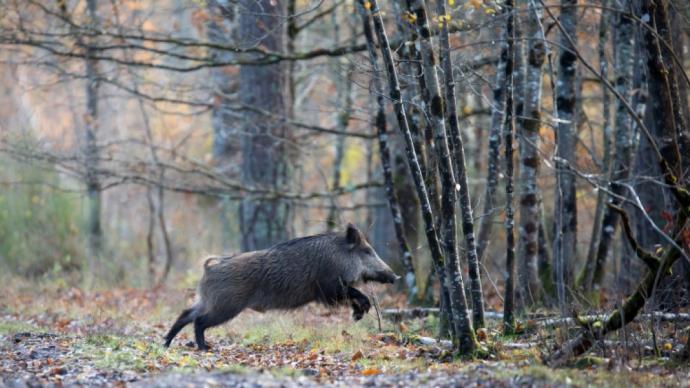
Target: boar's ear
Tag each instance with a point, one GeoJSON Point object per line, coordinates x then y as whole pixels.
{"type": "Point", "coordinates": [353, 235]}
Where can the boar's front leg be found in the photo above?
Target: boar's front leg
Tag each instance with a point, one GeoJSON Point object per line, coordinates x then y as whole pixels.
{"type": "Point", "coordinates": [360, 303]}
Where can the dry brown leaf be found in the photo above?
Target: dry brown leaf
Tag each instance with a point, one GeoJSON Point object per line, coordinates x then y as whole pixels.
{"type": "Point", "coordinates": [371, 372]}
{"type": "Point", "coordinates": [481, 334]}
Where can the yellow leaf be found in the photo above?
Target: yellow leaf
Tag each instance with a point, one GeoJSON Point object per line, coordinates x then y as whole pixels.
{"type": "Point", "coordinates": [367, 5]}
{"type": "Point", "coordinates": [668, 346]}
{"type": "Point", "coordinates": [140, 345]}
{"type": "Point", "coordinates": [451, 2]}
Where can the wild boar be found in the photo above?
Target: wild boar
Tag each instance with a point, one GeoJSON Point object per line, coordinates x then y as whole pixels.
{"type": "Point", "coordinates": [322, 268]}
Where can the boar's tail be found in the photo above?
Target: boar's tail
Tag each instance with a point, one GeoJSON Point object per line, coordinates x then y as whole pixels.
{"type": "Point", "coordinates": [187, 317]}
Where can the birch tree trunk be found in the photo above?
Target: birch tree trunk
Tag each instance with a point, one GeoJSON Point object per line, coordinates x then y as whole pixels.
{"type": "Point", "coordinates": [623, 62]}
{"type": "Point", "coordinates": [465, 343]}
{"type": "Point", "coordinates": [509, 130]}
{"type": "Point", "coordinates": [263, 222]}
{"type": "Point", "coordinates": [461, 174]}
{"type": "Point", "coordinates": [463, 330]}
{"type": "Point", "coordinates": [422, 135]}
{"type": "Point", "coordinates": [565, 240]}
{"type": "Point", "coordinates": [384, 154]}
{"type": "Point", "coordinates": [529, 139]}
{"type": "Point", "coordinates": [409, 204]}
{"type": "Point", "coordinates": [435, 110]}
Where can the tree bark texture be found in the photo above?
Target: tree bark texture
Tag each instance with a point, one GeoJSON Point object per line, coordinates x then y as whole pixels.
{"type": "Point", "coordinates": [508, 135]}
{"type": "Point", "coordinates": [565, 239]}
{"type": "Point", "coordinates": [529, 139]}
{"type": "Point", "coordinates": [460, 168]}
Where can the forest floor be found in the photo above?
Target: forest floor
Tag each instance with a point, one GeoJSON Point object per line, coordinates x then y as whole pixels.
{"type": "Point", "coordinates": [51, 335]}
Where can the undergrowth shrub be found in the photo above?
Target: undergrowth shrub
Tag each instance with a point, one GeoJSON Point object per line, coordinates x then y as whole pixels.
{"type": "Point", "coordinates": [39, 225]}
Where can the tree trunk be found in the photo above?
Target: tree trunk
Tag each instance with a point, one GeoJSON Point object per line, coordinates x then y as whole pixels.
{"type": "Point", "coordinates": [624, 59]}
{"type": "Point", "coordinates": [463, 331]}
{"type": "Point", "coordinates": [384, 154]}
{"type": "Point", "coordinates": [529, 126]}
{"type": "Point", "coordinates": [565, 240]}
{"type": "Point", "coordinates": [404, 186]}
{"type": "Point", "coordinates": [93, 185]}
{"type": "Point", "coordinates": [461, 174]}
{"type": "Point", "coordinates": [508, 134]}
{"type": "Point", "coordinates": [263, 222]}
{"type": "Point", "coordinates": [467, 342]}
{"type": "Point", "coordinates": [422, 135]}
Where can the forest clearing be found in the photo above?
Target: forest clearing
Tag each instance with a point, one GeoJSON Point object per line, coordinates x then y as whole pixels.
{"type": "Point", "coordinates": [345, 193]}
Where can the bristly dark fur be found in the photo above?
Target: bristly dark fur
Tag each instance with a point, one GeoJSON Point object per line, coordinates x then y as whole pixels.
{"type": "Point", "coordinates": [290, 274]}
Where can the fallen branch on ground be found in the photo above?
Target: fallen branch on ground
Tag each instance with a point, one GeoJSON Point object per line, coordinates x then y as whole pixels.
{"type": "Point", "coordinates": [398, 315]}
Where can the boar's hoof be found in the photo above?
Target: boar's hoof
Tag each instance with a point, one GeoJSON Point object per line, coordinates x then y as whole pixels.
{"type": "Point", "coordinates": [203, 347]}
{"type": "Point", "coordinates": [365, 305]}
{"type": "Point", "coordinates": [360, 307]}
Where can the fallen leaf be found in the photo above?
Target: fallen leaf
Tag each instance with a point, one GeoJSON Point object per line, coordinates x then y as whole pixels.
{"type": "Point", "coordinates": [481, 334]}
{"type": "Point", "coordinates": [371, 372]}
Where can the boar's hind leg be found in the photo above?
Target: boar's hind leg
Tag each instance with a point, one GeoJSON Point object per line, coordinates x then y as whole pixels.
{"type": "Point", "coordinates": [183, 320]}
{"type": "Point", "coordinates": [205, 321]}
{"type": "Point", "coordinates": [360, 303]}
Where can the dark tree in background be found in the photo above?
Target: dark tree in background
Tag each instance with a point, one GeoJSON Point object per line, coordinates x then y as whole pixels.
{"type": "Point", "coordinates": [265, 149]}
{"type": "Point", "coordinates": [91, 150]}
{"type": "Point", "coordinates": [221, 27]}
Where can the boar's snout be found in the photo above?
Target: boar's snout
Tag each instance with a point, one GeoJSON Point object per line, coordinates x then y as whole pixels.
{"type": "Point", "coordinates": [391, 277]}
{"type": "Point", "coordinates": [382, 277]}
